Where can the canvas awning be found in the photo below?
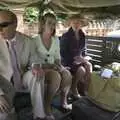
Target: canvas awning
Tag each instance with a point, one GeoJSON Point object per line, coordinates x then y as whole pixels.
{"type": "Point", "coordinates": [61, 6]}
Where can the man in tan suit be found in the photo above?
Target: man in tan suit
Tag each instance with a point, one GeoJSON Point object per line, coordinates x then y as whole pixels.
{"type": "Point", "coordinates": [21, 50]}
{"type": "Point", "coordinates": [6, 89]}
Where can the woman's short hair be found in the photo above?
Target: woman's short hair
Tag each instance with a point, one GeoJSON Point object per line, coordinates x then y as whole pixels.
{"type": "Point", "coordinates": [42, 21]}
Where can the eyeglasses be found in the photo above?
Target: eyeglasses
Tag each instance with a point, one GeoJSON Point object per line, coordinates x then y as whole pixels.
{"type": "Point", "coordinates": [5, 24]}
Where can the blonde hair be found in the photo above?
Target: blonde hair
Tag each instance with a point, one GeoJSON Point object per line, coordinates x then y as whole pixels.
{"type": "Point", "coordinates": [84, 21]}
{"type": "Point", "coordinates": [42, 21]}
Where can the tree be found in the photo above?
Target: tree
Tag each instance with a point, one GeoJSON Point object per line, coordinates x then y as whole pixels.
{"type": "Point", "coordinates": [31, 14]}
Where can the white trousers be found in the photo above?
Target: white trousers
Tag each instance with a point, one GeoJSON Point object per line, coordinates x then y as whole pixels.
{"type": "Point", "coordinates": [36, 88]}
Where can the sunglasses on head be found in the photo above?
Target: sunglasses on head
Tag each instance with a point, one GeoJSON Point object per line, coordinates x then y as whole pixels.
{"type": "Point", "coordinates": [5, 24]}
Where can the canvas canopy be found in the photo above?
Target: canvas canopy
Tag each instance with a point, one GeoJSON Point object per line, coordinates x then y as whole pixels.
{"type": "Point", "coordinates": [67, 6]}
{"type": "Point", "coordinates": [60, 5]}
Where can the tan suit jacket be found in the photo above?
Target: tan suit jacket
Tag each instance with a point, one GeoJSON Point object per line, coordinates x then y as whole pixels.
{"type": "Point", "coordinates": [5, 62]}
{"type": "Point", "coordinates": [25, 53]}
{"type": "Point", "coordinates": [25, 48]}
{"type": "Point", "coordinates": [8, 89]}
{"type": "Point", "coordinates": [5, 72]}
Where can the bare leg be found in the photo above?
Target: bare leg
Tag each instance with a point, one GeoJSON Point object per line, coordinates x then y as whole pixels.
{"type": "Point", "coordinates": [88, 67]}
{"type": "Point", "coordinates": [53, 80]}
{"type": "Point", "coordinates": [79, 76]}
{"type": "Point", "coordinates": [65, 87]}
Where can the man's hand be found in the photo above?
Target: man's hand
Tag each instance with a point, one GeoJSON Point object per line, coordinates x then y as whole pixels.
{"type": "Point", "coordinates": [4, 105]}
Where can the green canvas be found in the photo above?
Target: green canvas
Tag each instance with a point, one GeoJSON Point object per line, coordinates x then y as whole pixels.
{"type": "Point", "coordinates": [105, 92]}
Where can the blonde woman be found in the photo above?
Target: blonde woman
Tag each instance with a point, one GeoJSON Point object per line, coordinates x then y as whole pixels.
{"type": "Point", "coordinates": [48, 50]}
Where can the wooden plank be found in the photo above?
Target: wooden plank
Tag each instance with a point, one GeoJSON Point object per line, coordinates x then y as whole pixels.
{"type": "Point", "coordinates": [101, 49]}
{"type": "Point", "coordinates": [95, 47]}
{"type": "Point", "coordinates": [92, 55]}
{"type": "Point", "coordinates": [95, 52]}
{"type": "Point", "coordinates": [94, 40]}
{"type": "Point", "coordinates": [95, 59]}
{"type": "Point", "coordinates": [98, 61]}
{"type": "Point", "coordinates": [95, 43]}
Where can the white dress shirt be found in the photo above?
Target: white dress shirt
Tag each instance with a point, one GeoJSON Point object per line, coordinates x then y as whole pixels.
{"type": "Point", "coordinates": [15, 65]}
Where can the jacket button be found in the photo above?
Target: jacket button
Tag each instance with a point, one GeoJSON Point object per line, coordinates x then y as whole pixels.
{"type": "Point", "coordinates": [46, 60]}
{"type": "Point", "coordinates": [48, 55]}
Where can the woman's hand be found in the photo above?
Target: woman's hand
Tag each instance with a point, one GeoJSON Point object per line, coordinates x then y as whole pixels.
{"type": "Point", "coordinates": [37, 70]}
{"type": "Point", "coordinates": [60, 68]}
{"type": "Point", "coordinates": [79, 60]}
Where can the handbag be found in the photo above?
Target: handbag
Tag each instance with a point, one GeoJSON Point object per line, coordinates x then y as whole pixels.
{"type": "Point", "coordinates": [105, 92]}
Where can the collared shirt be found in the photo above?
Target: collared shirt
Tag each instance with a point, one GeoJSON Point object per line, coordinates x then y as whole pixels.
{"type": "Point", "coordinates": [15, 64]}
{"type": "Point", "coordinates": [45, 55]}
{"type": "Point", "coordinates": [12, 40]}
{"type": "Point", "coordinates": [5, 62]}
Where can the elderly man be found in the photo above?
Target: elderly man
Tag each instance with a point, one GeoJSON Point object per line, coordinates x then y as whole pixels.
{"type": "Point", "coordinates": [6, 89]}
{"type": "Point", "coordinates": [6, 97]}
{"type": "Point", "coordinates": [21, 52]}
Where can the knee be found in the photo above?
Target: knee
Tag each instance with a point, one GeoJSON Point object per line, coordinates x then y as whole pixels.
{"type": "Point", "coordinates": [89, 65]}
{"type": "Point", "coordinates": [66, 75]}
{"type": "Point", "coordinates": [81, 71]}
{"type": "Point", "coordinates": [52, 75]}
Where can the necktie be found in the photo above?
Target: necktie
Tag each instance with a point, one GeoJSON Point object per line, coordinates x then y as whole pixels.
{"type": "Point", "coordinates": [14, 61]}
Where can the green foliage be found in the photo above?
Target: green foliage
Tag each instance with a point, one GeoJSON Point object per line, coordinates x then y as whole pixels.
{"type": "Point", "coordinates": [31, 14]}
{"type": "Point", "coordinates": [61, 17]}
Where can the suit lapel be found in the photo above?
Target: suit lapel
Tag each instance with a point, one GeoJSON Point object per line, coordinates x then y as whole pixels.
{"type": "Point", "coordinates": [19, 47]}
